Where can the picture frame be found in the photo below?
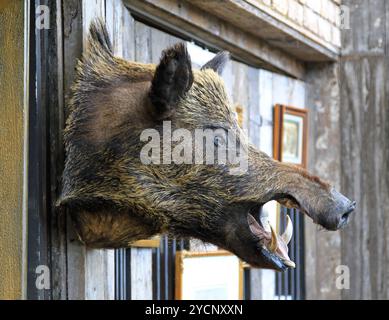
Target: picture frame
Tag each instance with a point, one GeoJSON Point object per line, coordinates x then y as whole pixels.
{"type": "Point", "coordinates": [290, 135]}
{"type": "Point", "coordinates": [213, 275]}
{"type": "Point", "coordinates": [153, 242]}
{"type": "Point", "coordinates": [239, 114]}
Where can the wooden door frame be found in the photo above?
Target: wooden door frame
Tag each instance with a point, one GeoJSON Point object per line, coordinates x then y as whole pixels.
{"type": "Point", "coordinates": [46, 154]}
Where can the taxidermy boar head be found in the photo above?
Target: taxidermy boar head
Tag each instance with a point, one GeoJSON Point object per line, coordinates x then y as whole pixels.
{"type": "Point", "coordinates": [119, 189]}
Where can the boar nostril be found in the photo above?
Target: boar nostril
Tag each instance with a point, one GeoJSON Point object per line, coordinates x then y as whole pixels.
{"type": "Point", "coordinates": [349, 211]}
{"type": "Point", "coordinates": [346, 215]}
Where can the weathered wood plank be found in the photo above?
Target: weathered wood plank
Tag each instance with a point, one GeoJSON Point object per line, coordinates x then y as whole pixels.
{"type": "Point", "coordinates": [253, 106]}
{"type": "Point", "coordinates": [75, 251]}
{"type": "Point", "coordinates": [141, 274]}
{"type": "Point", "coordinates": [228, 78]}
{"type": "Point", "coordinates": [370, 39]}
{"type": "Point", "coordinates": [240, 89]}
{"type": "Point", "coordinates": [91, 9]}
{"type": "Point", "coordinates": [266, 111]}
{"type": "Point", "coordinates": [364, 116]}
{"type": "Point", "coordinates": [322, 249]}
{"type": "Point", "coordinates": [159, 41]}
{"type": "Point", "coordinates": [187, 19]}
{"type": "Point", "coordinates": [99, 274]}
{"type": "Point", "coordinates": [258, 19]}
{"type": "Point", "coordinates": [121, 28]}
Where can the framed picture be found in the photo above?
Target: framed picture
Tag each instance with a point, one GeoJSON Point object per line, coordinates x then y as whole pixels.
{"type": "Point", "coordinates": [290, 136]}
{"type": "Point", "coordinates": [216, 275]}
{"type": "Point", "coordinates": [239, 114]}
{"type": "Point", "coordinates": [153, 242]}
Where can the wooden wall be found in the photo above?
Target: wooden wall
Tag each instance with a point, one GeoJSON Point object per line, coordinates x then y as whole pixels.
{"type": "Point", "coordinates": [13, 150]}
{"type": "Point", "coordinates": [364, 116]}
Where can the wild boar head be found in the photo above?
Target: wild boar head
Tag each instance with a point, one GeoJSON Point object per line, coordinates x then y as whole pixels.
{"type": "Point", "coordinates": [115, 198]}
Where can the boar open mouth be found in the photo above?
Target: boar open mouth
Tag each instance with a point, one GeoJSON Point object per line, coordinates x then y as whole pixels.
{"type": "Point", "coordinates": [273, 247]}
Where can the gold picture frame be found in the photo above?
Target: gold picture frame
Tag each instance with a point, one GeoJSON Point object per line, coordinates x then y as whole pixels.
{"type": "Point", "coordinates": [290, 135]}
{"type": "Point", "coordinates": [153, 242]}
{"type": "Point", "coordinates": [239, 114]}
{"type": "Point", "coordinates": [231, 289]}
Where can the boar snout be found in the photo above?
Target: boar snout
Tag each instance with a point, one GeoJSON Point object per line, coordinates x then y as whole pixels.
{"type": "Point", "coordinates": [314, 197]}
{"type": "Point", "coordinates": [343, 207]}
{"type": "Point", "coordinates": [334, 211]}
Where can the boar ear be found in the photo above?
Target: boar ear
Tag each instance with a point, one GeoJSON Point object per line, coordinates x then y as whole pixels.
{"type": "Point", "coordinates": [218, 62]}
{"type": "Point", "coordinates": [172, 79]}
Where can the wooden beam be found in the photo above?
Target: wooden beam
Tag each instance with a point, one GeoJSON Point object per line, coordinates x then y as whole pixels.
{"type": "Point", "coordinates": [265, 23]}
{"type": "Point", "coordinates": [188, 20]}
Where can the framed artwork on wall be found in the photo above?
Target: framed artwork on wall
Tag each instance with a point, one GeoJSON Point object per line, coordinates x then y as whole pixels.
{"type": "Point", "coordinates": [153, 242]}
{"type": "Point", "coordinates": [214, 275]}
{"type": "Point", "coordinates": [290, 135]}
{"type": "Point", "coordinates": [239, 114]}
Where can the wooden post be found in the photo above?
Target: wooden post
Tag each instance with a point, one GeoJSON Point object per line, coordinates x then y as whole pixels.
{"type": "Point", "coordinates": [322, 249]}
{"type": "Point", "coordinates": [364, 117]}
{"type": "Point", "coordinates": [13, 146]}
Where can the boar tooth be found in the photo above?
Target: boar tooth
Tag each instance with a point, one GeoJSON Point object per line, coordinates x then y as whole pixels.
{"type": "Point", "coordinates": [287, 235]}
{"type": "Point", "coordinates": [273, 244]}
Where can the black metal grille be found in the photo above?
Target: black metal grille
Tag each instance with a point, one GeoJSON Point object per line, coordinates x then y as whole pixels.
{"type": "Point", "coordinates": [122, 274]}
{"type": "Point", "coordinates": [290, 284]}
{"type": "Point", "coordinates": [164, 267]}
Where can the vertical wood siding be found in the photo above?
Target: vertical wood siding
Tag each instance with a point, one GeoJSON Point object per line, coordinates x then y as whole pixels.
{"type": "Point", "coordinates": [364, 116]}
{"type": "Point", "coordinates": [322, 249]}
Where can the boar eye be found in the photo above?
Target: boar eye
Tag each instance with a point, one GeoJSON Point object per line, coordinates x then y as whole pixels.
{"type": "Point", "coordinates": [219, 141]}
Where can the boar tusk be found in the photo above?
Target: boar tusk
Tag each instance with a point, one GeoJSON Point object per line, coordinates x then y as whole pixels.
{"type": "Point", "coordinates": [273, 244]}
{"type": "Point", "coordinates": [289, 263]}
{"type": "Point", "coordinates": [287, 235]}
